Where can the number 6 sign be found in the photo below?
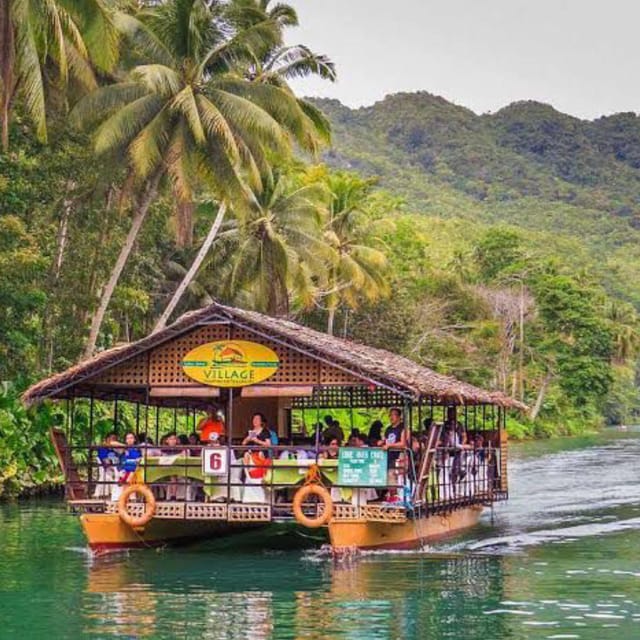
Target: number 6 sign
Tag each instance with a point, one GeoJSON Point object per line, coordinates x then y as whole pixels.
{"type": "Point", "coordinates": [215, 461]}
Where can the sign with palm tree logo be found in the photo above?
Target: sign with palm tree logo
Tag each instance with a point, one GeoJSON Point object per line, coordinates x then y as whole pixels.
{"type": "Point", "coordinates": [230, 363]}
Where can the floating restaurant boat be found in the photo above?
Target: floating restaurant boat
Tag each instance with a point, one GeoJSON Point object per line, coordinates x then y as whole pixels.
{"type": "Point", "coordinates": [244, 363]}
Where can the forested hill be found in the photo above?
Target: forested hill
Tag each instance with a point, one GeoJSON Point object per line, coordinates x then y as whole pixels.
{"type": "Point", "coordinates": [527, 149]}
{"type": "Point", "coordinates": [527, 165]}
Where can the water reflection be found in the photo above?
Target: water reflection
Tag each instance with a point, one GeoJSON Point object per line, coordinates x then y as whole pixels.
{"type": "Point", "coordinates": [310, 597]}
{"type": "Point", "coordinates": [123, 606]}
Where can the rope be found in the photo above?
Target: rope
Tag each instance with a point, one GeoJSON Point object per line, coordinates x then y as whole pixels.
{"type": "Point", "coordinates": [313, 476]}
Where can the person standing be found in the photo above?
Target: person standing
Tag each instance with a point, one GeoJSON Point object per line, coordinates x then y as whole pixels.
{"type": "Point", "coordinates": [395, 442]}
{"type": "Point", "coordinates": [211, 428]}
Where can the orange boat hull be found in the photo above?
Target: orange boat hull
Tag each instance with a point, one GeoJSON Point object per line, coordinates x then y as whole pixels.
{"type": "Point", "coordinates": [411, 534]}
{"type": "Point", "coordinates": [107, 532]}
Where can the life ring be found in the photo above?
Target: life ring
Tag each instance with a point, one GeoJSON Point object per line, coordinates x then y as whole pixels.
{"type": "Point", "coordinates": [302, 495]}
{"type": "Point", "coordinates": [149, 507]}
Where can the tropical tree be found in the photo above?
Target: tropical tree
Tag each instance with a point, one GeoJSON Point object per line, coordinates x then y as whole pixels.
{"type": "Point", "coordinates": [276, 253]}
{"type": "Point", "coordinates": [51, 44]}
{"type": "Point", "coordinates": [184, 111]}
{"type": "Point", "coordinates": [623, 319]}
{"type": "Point", "coordinates": [269, 63]}
{"type": "Point", "coordinates": [359, 268]}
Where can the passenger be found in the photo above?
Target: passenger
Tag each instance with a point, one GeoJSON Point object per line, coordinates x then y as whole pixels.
{"type": "Point", "coordinates": [285, 454]}
{"type": "Point", "coordinates": [479, 468]}
{"type": "Point", "coordinates": [194, 442]}
{"type": "Point", "coordinates": [171, 445]}
{"type": "Point", "coordinates": [211, 428]}
{"type": "Point", "coordinates": [333, 430]}
{"type": "Point", "coordinates": [358, 440]}
{"type": "Point", "coordinates": [395, 441]}
{"type": "Point", "coordinates": [130, 458]}
{"type": "Point", "coordinates": [108, 461]}
{"type": "Point", "coordinates": [332, 452]}
{"type": "Point", "coordinates": [183, 439]}
{"type": "Point", "coordinates": [256, 466]}
{"type": "Point", "coordinates": [258, 434]}
{"type": "Point", "coordinates": [175, 488]}
{"type": "Point", "coordinates": [256, 461]}
{"type": "Point", "coordinates": [375, 433]}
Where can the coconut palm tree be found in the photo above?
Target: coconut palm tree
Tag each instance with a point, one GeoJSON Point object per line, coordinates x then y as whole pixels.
{"type": "Point", "coordinates": [359, 268]}
{"type": "Point", "coordinates": [48, 44]}
{"type": "Point", "coordinates": [625, 328]}
{"type": "Point", "coordinates": [268, 63]}
{"type": "Point", "coordinates": [185, 112]}
{"type": "Point", "coordinates": [275, 254]}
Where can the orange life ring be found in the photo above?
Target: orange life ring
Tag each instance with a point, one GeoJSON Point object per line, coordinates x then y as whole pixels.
{"type": "Point", "coordinates": [149, 508]}
{"type": "Point", "coordinates": [302, 495]}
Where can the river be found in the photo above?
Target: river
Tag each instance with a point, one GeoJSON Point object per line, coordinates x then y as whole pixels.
{"type": "Point", "coordinates": [561, 559]}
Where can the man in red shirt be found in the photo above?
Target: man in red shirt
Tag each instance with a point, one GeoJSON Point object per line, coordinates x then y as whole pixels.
{"type": "Point", "coordinates": [211, 428]}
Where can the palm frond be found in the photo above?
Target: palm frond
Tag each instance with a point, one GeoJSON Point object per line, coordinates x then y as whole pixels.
{"type": "Point", "coordinates": [143, 39]}
{"type": "Point", "coordinates": [99, 103]}
{"type": "Point", "coordinates": [185, 103]}
{"type": "Point", "coordinates": [157, 78]}
{"type": "Point", "coordinates": [147, 149]}
{"type": "Point", "coordinates": [29, 71]}
{"type": "Point", "coordinates": [119, 129]}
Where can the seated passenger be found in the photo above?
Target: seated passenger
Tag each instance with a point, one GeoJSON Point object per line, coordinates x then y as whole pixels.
{"type": "Point", "coordinates": [333, 430]}
{"type": "Point", "coordinates": [332, 452]}
{"type": "Point", "coordinates": [130, 458]}
{"type": "Point", "coordinates": [256, 467]}
{"type": "Point", "coordinates": [108, 461]}
{"type": "Point", "coordinates": [285, 454]}
{"type": "Point", "coordinates": [194, 441]}
{"type": "Point", "coordinates": [375, 433]}
{"type": "Point", "coordinates": [176, 486]}
{"type": "Point", "coordinates": [256, 460]}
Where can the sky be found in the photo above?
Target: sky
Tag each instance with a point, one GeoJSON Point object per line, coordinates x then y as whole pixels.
{"type": "Point", "coordinates": [581, 56]}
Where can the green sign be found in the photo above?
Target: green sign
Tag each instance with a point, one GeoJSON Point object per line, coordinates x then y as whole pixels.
{"type": "Point", "coordinates": [362, 467]}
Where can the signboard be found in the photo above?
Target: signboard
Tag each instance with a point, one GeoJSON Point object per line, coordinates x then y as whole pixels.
{"type": "Point", "coordinates": [230, 363]}
{"type": "Point", "coordinates": [215, 461]}
{"type": "Point", "coordinates": [362, 467]}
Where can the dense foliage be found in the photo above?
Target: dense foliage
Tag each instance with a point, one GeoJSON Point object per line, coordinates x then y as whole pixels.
{"type": "Point", "coordinates": [177, 164]}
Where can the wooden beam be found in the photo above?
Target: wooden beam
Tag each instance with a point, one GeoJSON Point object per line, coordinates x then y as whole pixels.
{"type": "Point", "coordinates": [276, 391]}
{"type": "Point", "coordinates": [184, 392]}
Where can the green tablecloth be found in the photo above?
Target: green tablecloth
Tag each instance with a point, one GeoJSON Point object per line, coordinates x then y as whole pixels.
{"type": "Point", "coordinates": [153, 469]}
{"type": "Point", "coordinates": [286, 472]}
{"type": "Point", "coordinates": [292, 472]}
{"type": "Point", "coordinates": [280, 473]}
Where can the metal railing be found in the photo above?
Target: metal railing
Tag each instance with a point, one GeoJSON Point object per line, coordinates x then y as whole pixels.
{"type": "Point", "coordinates": [458, 476]}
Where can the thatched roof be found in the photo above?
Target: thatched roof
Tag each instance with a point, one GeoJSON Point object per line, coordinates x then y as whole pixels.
{"type": "Point", "coordinates": [375, 366]}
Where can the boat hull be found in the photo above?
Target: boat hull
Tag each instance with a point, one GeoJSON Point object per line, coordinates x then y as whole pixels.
{"type": "Point", "coordinates": [106, 532]}
{"type": "Point", "coordinates": [410, 534]}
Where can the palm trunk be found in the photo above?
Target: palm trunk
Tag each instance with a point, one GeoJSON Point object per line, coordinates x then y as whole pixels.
{"type": "Point", "coordinates": [54, 276]}
{"type": "Point", "coordinates": [330, 320]}
{"type": "Point", "coordinates": [7, 61]}
{"type": "Point", "coordinates": [193, 269]}
{"type": "Point", "coordinates": [539, 400]}
{"type": "Point", "coordinates": [107, 293]}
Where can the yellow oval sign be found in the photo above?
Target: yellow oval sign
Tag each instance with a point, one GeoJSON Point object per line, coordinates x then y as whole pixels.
{"type": "Point", "coordinates": [230, 363]}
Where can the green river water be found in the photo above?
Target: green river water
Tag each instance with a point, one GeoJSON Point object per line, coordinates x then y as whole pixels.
{"type": "Point", "coordinates": [560, 560]}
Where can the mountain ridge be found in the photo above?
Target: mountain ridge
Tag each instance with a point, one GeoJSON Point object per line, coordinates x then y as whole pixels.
{"type": "Point", "coordinates": [527, 165]}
